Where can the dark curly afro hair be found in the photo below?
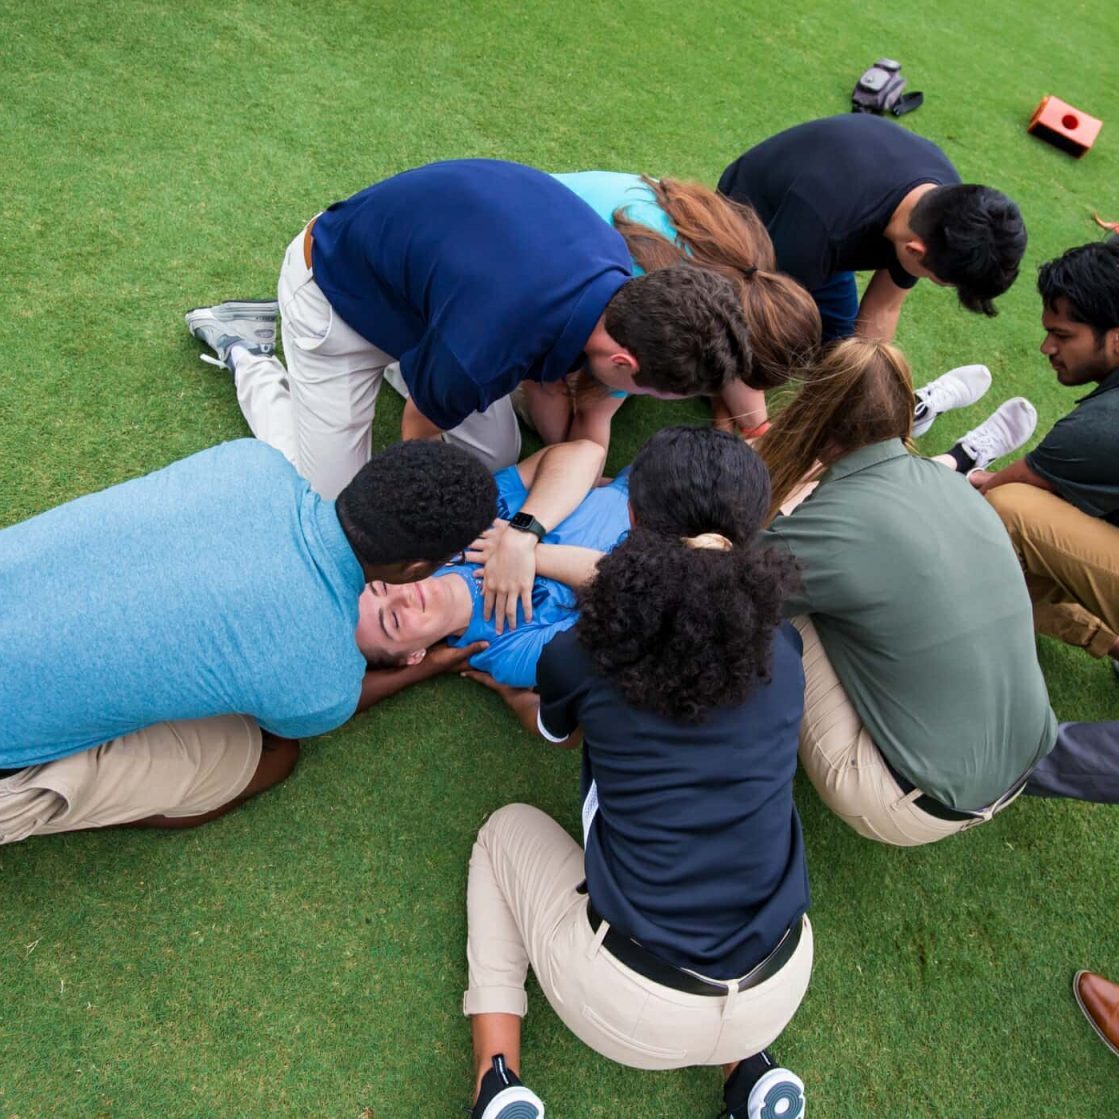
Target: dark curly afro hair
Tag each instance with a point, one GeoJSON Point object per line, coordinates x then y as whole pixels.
{"type": "Point", "coordinates": [679, 630]}
{"type": "Point", "coordinates": [416, 501]}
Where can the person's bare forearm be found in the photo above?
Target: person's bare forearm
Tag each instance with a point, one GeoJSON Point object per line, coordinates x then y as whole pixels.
{"type": "Point", "coordinates": [1017, 472]}
{"type": "Point", "coordinates": [567, 563]}
{"type": "Point", "coordinates": [559, 477]}
{"type": "Point", "coordinates": [415, 425]}
{"type": "Point", "coordinates": [880, 308]}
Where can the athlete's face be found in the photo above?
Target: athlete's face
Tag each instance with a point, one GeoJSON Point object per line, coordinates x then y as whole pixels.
{"type": "Point", "coordinates": [1077, 356]}
{"type": "Point", "coordinates": [399, 621]}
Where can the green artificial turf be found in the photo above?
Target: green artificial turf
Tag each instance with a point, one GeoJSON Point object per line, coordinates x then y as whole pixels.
{"type": "Point", "coordinates": [304, 956]}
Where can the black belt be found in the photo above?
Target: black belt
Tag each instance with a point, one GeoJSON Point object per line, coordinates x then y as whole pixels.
{"type": "Point", "coordinates": [937, 808]}
{"type": "Point", "coordinates": [638, 958]}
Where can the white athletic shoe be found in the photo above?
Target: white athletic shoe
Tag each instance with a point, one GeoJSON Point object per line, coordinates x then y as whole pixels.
{"type": "Point", "coordinates": [778, 1095]}
{"type": "Point", "coordinates": [247, 322]}
{"type": "Point", "coordinates": [957, 388]}
{"type": "Point", "coordinates": [1003, 431]}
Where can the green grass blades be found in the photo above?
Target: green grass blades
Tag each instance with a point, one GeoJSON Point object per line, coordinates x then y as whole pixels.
{"type": "Point", "coordinates": [305, 956]}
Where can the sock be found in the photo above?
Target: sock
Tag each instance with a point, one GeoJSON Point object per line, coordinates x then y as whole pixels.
{"type": "Point", "coordinates": [964, 461]}
{"type": "Point", "coordinates": [736, 1091]}
{"type": "Point", "coordinates": [496, 1079]}
{"type": "Point", "coordinates": [236, 352]}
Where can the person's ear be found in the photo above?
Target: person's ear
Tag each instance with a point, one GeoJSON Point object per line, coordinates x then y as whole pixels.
{"type": "Point", "coordinates": [1111, 345]}
{"type": "Point", "coordinates": [623, 359]}
{"type": "Point", "coordinates": [415, 657]}
{"type": "Point", "coordinates": [915, 247]}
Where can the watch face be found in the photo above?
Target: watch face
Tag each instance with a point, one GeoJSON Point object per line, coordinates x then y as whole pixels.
{"type": "Point", "coordinates": [521, 520]}
{"type": "Point", "coordinates": [526, 522]}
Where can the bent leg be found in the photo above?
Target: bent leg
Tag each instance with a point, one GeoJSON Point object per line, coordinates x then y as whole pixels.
{"type": "Point", "coordinates": [846, 767]}
{"type": "Point", "coordinates": [334, 375]}
{"type": "Point", "coordinates": [493, 436]}
{"type": "Point", "coordinates": [190, 768]}
{"type": "Point", "coordinates": [1083, 765]}
{"type": "Point", "coordinates": [1071, 562]}
{"type": "Point", "coordinates": [278, 758]}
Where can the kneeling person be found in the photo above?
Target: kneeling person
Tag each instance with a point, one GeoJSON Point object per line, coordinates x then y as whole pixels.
{"type": "Point", "coordinates": [166, 641]}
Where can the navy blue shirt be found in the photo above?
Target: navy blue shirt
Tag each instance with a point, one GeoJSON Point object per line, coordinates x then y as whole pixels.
{"type": "Point", "coordinates": [695, 849]}
{"type": "Point", "coordinates": [827, 189]}
{"type": "Point", "coordinates": [475, 274]}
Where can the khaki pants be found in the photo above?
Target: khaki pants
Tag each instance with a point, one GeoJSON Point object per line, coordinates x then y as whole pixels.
{"type": "Point", "coordinates": [1071, 562]}
{"type": "Point", "coordinates": [319, 411]}
{"type": "Point", "coordinates": [523, 908]}
{"type": "Point", "coordinates": [186, 768]}
{"type": "Point", "coordinates": [847, 770]}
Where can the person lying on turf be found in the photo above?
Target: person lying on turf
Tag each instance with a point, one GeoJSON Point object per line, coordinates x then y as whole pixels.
{"type": "Point", "coordinates": [508, 597]}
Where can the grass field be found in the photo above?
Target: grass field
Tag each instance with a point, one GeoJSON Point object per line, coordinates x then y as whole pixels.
{"type": "Point", "coordinates": [304, 956]}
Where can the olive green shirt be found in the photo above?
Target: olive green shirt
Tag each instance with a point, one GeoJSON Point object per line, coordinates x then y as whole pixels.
{"type": "Point", "coordinates": [922, 609]}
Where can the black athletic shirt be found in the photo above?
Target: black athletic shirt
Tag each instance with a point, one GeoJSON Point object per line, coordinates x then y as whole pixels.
{"type": "Point", "coordinates": [696, 849]}
{"type": "Point", "coordinates": [1080, 455]}
{"type": "Point", "coordinates": [826, 191]}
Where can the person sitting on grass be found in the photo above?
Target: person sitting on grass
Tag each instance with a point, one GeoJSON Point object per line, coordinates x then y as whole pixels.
{"type": "Point", "coordinates": [168, 640]}
{"type": "Point", "coordinates": [677, 934]}
{"type": "Point", "coordinates": [502, 604]}
{"type": "Point", "coordinates": [1060, 503]}
{"type": "Point", "coordinates": [927, 707]}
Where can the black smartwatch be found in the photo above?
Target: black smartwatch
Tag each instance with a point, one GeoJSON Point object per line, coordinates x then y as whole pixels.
{"type": "Point", "coordinates": [526, 522]}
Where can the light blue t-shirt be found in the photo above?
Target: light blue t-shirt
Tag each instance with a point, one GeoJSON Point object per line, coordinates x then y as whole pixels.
{"type": "Point", "coordinates": [607, 191]}
{"type": "Point", "coordinates": [601, 520]}
{"type": "Point", "coordinates": [221, 584]}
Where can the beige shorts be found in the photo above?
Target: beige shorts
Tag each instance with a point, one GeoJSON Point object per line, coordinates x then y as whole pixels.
{"type": "Point", "coordinates": [185, 768]}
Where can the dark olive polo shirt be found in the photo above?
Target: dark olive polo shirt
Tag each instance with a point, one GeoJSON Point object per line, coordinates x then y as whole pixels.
{"type": "Point", "coordinates": [920, 604]}
{"type": "Point", "coordinates": [1080, 455]}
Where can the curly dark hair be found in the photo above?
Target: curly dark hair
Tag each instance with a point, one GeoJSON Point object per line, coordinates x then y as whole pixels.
{"type": "Point", "coordinates": [679, 629]}
{"type": "Point", "coordinates": [684, 326]}
{"type": "Point", "coordinates": [974, 240]}
{"type": "Point", "coordinates": [416, 501]}
{"type": "Point", "coordinates": [1088, 277]}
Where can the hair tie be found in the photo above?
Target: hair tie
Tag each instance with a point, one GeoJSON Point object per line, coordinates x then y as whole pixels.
{"type": "Point", "coordinates": [748, 272]}
{"type": "Point", "coordinates": [713, 540]}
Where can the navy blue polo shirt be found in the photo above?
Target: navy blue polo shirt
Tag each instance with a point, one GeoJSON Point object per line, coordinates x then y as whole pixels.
{"type": "Point", "coordinates": [476, 274]}
{"type": "Point", "coordinates": [695, 849]}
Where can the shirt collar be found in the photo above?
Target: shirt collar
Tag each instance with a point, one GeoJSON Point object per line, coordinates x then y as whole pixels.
{"type": "Point", "coordinates": [865, 457]}
{"type": "Point", "coordinates": [1111, 381]}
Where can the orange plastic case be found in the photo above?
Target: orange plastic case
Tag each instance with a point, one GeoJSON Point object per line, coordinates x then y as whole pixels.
{"type": "Point", "coordinates": [1064, 126]}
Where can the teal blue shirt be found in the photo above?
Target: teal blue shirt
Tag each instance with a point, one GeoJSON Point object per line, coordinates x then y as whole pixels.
{"type": "Point", "coordinates": [608, 191]}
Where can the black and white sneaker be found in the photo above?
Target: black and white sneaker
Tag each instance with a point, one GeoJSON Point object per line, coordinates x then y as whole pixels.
{"type": "Point", "coordinates": [503, 1096]}
{"type": "Point", "coordinates": [247, 322]}
{"type": "Point", "coordinates": [776, 1094]}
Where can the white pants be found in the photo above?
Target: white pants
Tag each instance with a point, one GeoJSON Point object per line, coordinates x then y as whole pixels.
{"type": "Point", "coordinates": [319, 411]}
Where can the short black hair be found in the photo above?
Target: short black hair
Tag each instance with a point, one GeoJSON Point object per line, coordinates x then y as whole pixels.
{"type": "Point", "coordinates": [1088, 278]}
{"type": "Point", "coordinates": [684, 326]}
{"type": "Point", "coordinates": [677, 629]}
{"type": "Point", "coordinates": [974, 240]}
{"type": "Point", "coordinates": [418, 500]}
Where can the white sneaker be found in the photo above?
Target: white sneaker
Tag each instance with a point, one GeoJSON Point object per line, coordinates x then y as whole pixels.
{"type": "Point", "coordinates": [957, 388]}
{"type": "Point", "coordinates": [1003, 431]}
{"type": "Point", "coordinates": [248, 322]}
{"type": "Point", "coordinates": [778, 1095]}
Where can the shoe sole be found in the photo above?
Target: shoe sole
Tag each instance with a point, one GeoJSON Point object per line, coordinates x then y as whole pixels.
{"type": "Point", "coordinates": [267, 309]}
{"type": "Point", "coordinates": [1091, 1021]}
{"type": "Point", "coordinates": [524, 1104]}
